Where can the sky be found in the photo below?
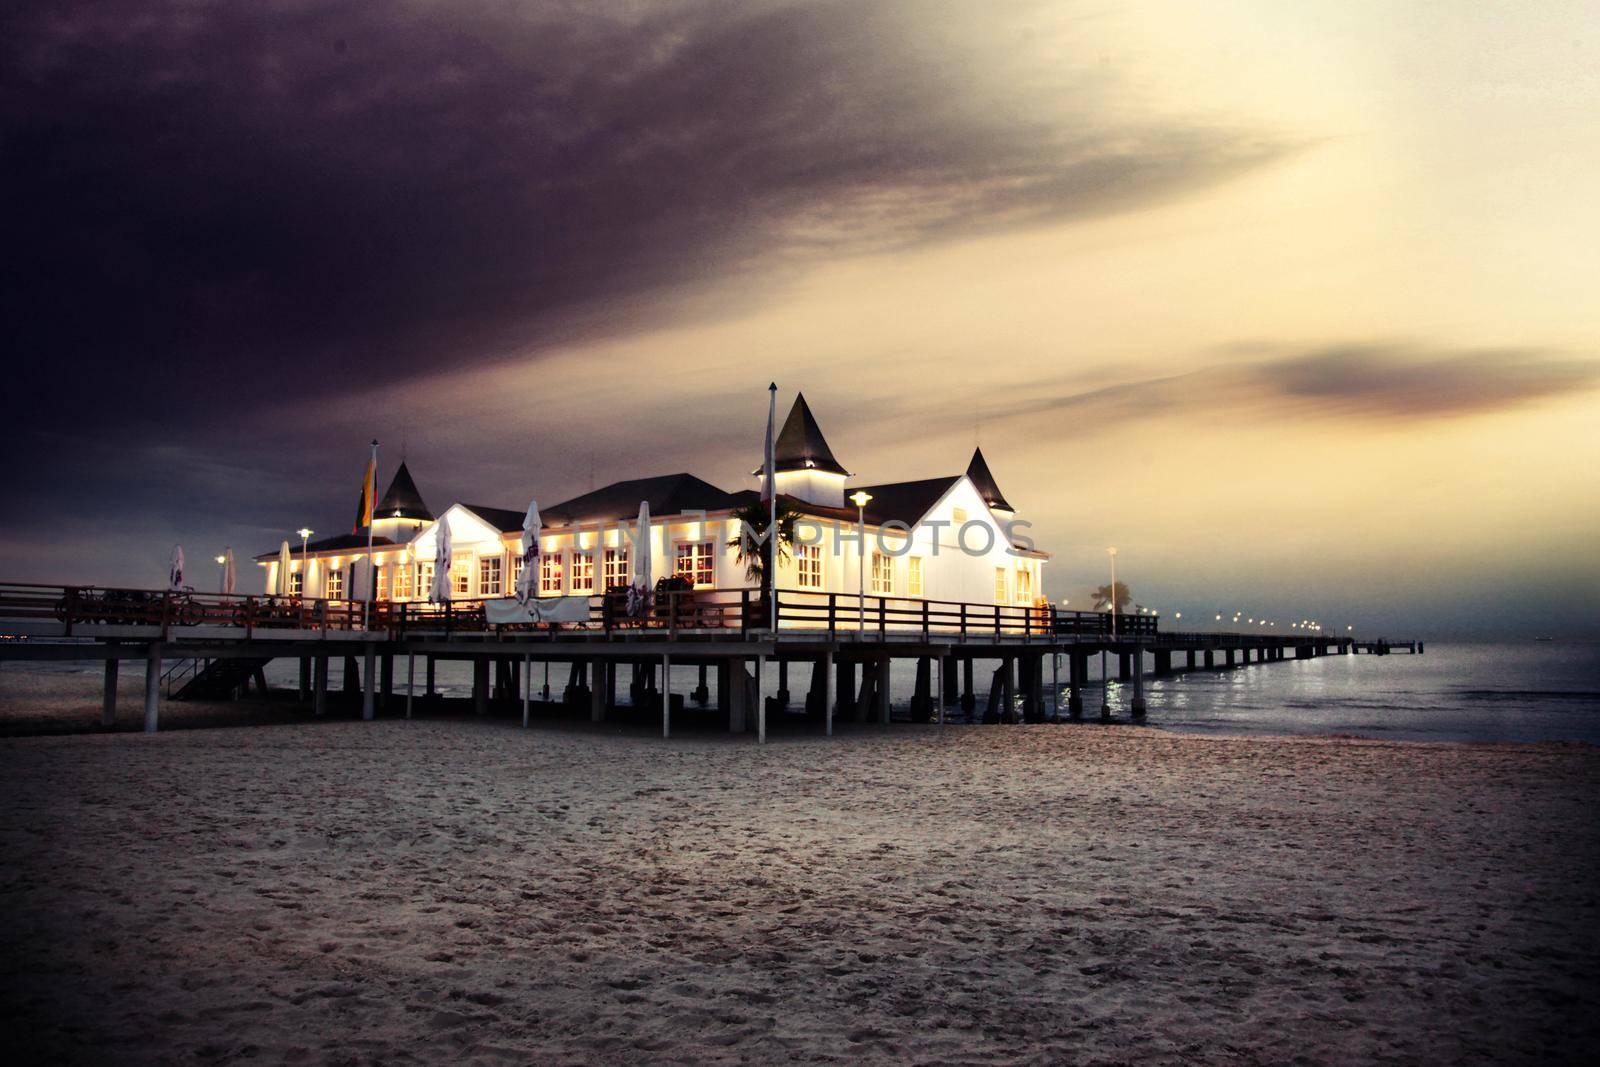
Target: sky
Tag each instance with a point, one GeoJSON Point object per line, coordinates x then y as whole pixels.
{"type": "Point", "coordinates": [1295, 304]}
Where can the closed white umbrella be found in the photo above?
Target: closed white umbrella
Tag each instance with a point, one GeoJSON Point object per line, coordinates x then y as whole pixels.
{"type": "Point", "coordinates": [531, 525]}
{"type": "Point", "coordinates": [440, 590]}
{"type": "Point", "coordinates": [175, 572]}
{"type": "Point", "coordinates": [639, 591]}
{"type": "Point", "coordinates": [283, 569]}
{"type": "Point", "coordinates": [229, 576]}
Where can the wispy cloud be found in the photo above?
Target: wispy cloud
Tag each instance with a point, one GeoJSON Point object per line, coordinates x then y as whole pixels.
{"type": "Point", "coordinates": [1384, 381]}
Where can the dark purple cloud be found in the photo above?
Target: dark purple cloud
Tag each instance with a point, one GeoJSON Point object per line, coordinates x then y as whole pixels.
{"type": "Point", "coordinates": [384, 189]}
{"type": "Point", "coordinates": [215, 206]}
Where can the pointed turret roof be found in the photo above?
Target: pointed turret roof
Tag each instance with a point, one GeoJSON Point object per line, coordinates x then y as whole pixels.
{"type": "Point", "coordinates": [402, 501]}
{"type": "Point", "coordinates": [978, 471]}
{"type": "Point", "coordinates": [800, 445]}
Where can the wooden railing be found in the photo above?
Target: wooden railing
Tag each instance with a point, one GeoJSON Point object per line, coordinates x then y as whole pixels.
{"type": "Point", "coordinates": [83, 609]}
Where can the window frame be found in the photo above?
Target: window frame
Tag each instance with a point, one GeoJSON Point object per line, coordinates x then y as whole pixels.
{"type": "Point", "coordinates": [616, 566]}
{"type": "Point", "coordinates": [882, 573]}
{"type": "Point", "coordinates": [582, 566]}
{"type": "Point", "coordinates": [491, 567]}
{"type": "Point", "coordinates": [552, 573]}
{"type": "Point", "coordinates": [702, 572]}
{"type": "Point", "coordinates": [808, 564]}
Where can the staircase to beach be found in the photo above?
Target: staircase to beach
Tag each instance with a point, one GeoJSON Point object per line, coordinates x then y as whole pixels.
{"type": "Point", "coordinates": [217, 679]}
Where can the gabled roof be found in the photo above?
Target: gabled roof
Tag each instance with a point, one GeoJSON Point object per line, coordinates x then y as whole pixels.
{"type": "Point", "coordinates": [341, 543]}
{"type": "Point", "coordinates": [978, 471]}
{"type": "Point", "coordinates": [402, 501]}
{"type": "Point", "coordinates": [503, 519]}
{"type": "Point", "coordinates": [905, 502]}
{"type": "Point", "coordinates": [800, 445]}
{"type": "Point", "coordinates": [667, 494]}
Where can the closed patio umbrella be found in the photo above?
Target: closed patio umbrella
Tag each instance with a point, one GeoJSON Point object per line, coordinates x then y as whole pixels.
{"type": "Point", "coordinates": [439, 592]}
{"type": "Point", "coordinates": [531, 525]}
{"type": "Point", "coordinates": [175, 573]}
{"type": "Point", "coordinates": [228, 574]}
{"type": "Point", "coordinates": [639, 591]}
{"type": "Point", "coordinates": [283, 570]}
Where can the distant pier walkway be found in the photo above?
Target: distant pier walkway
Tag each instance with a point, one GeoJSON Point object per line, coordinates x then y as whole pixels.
{"type": "Point", "coordinates": [209, 646]}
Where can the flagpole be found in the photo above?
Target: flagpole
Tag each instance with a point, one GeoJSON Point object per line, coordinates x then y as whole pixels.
{"type": "Point", "coordinates": [772, 519]}
{"type": "Point", "coordinates": [371, 490]}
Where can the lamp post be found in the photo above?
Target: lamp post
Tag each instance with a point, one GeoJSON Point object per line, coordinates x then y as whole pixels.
{"type": "Point", "coordinates": [1112, 552]}
{"type": "Point", "coordinates": [222, 573]}
{"type": "Point", "coordinates": [860, 498]}
{"type": "Point", "coordinates": [305, 574]}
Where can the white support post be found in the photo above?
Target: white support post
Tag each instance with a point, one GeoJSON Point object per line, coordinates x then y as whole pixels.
{"type": "Point", "coordinates": [938, 697]}
{"type": "Point", "coordinates": [666, 694]}
{"type": "Point", "coordinates": [761, 702]}
{"type": "Point", "coordinates": [527, 687]}
{"type": "Point", "coordinates": [411, 680]}
{"type": "Point", "coordinates": [1055, 686]}
{"type": "Point", "coordinates": [827, 693]}
{"type": "Point", "coordinates": [152, 688]}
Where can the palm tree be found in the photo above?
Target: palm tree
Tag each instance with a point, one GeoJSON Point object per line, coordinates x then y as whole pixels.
{"type": "Point", "coordinates": [751, 543]}
{"type": "Point", "coordinates": [1102, 598]}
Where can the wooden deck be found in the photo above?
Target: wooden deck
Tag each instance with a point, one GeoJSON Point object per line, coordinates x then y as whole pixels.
{"type": "Point", "coordinates": [731, 629]}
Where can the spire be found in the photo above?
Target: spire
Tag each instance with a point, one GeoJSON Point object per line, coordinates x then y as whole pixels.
{"type": "Point", "coordinates": [978, 471]}
{"type": "Point", "coordinates": [402, 501]}
{"type": "Point", "coordinates": [800, 445]}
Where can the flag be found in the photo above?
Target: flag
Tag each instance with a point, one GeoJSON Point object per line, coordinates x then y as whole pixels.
{"type": "Point", "coordinates": [369, 498]}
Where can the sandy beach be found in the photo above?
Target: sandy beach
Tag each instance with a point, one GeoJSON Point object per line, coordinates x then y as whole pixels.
{"type": "Point", "coordinates": [469, 892]}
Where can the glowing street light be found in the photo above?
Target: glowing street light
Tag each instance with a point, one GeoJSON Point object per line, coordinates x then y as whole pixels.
{"type": "Point", "coordinates": [1112, 552]}
{"type": "Point", "coordinates": [305, 574]}
{"type": "Point", "coordinates": [860, 498]}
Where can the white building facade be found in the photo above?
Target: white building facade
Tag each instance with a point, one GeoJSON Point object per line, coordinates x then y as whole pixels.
{"type": "Point", "coordinates": [950, 539]}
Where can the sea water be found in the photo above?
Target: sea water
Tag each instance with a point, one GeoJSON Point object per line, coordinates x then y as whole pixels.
{"type": "Point", "coordinates": [1513, 691]}
{"type": "Point", "coordinates": [1522, 691]}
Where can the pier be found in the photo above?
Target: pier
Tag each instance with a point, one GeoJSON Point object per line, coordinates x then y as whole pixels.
{"type": "Point", "coordinates": [1384, 647]}
{"type": "Point", "coordinates": [848, 645]}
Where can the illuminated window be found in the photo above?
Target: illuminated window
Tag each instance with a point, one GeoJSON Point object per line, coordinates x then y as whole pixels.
{"type": "Point", "coordinates": [425, 581]}
{"type": "Point", "coordinates": [1002, 587]}
{"type": "Point", "coordinates": [582, 572]}
{"type": "Point", "coordinates": [550, 573]}
{"type": "Point", "coordinates": [461, 574]}
{"type": "Point", "coordinates": [403, 587]}
{"type": "Point", "coordinates": [383, 583]}
{"type": "Point", "coordinates": [616, 567]}
{"type": "Point", "coordinates": [959, 515]}
{"type": "Point", "coordinates": [489, 576]}
{"type": "Point", "coordinates": [882, 573]}
{"type": "Point", "coordinates": [336, 584]}
{"type": "Point", "coordinates": [695, 563]}
{"type": "Point", "coordinates": [808, 566]}
{"type": "Point", "coordinates": [1024, 584]}
{"type": "Point", "coordinates": [297, 583]}
{"type": "Point", "coordinates": [914, 575]}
